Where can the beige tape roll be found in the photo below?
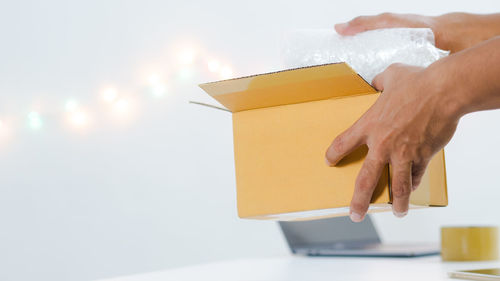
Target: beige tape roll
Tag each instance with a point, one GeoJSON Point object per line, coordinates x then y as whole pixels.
{"type": "Point", "coordinates": [471, 243]}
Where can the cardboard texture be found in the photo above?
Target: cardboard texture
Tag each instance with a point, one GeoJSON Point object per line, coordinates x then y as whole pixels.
{"type": "Point", "coordinates": [283, 122]}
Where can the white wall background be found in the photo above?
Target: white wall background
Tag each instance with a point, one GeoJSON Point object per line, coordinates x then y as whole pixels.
{"type": "Point", "coordinates": [159, 191]}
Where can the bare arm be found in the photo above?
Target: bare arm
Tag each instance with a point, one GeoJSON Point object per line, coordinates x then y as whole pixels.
{"type": "Point", "coordinates": [416, 116]}
{"type": "Point", "coordinates": [474, 74]}
{"type": "Point", "coordinates": [455, 31]}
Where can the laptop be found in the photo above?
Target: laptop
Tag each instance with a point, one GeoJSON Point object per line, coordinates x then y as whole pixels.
{"type": "Point", "coordinates": [341, 237]}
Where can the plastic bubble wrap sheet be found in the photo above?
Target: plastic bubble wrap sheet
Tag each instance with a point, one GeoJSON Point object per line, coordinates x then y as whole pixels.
{"type": "Point", "coordinates": [368, 53]}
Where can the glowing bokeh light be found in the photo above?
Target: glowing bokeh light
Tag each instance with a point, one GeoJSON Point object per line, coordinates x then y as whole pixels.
{"type": "Point", "coordinates": [109, 94]}
{"type": "Point", "coordinates": [121, 106]}
{"type": "Point", "coordinates": [124, 110]}
{"type": "Point", "coordinates": [226, 72]}
{"type": "Point", "coordinates": [213, 66]}
{"type": "Point", "coordinates": [157, 86]}
{"type": "Point", "coordinates": [78, 118]}
{"type": "Point", "coordinates": [158, 90]}
{"type": "Point", "coordinates": [191, 62]}
{"type": "Point", "coordinates": [154, 79]}
{"type": "Point", "coordinates": [4, 131]}
{"type": "Point", "coordinates": [187, 56]}
{"type": "Point", "coordinates": [185, 74]}
{"type": "Point", "coordinates": [71, 105]}
{"type": "Point", "coordinates": [35, 121]}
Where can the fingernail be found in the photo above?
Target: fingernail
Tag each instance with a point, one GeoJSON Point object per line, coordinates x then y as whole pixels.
{"type": "Point", "coordinates": [341, 26]}
{"type": "Point", "coordinates": [399, 214]}
{"type": "Point", "coordinates": [355, 217]}
{"type": "Point", "coordinates": [414, 187]}
{"type": "Point", "coordinates": [328, 162]}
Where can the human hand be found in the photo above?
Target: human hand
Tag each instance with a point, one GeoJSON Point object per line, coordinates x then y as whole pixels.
{"type": "Point", "coordinates": [410, 121]}
{"type": "Point", "coordinates": [454, 32]}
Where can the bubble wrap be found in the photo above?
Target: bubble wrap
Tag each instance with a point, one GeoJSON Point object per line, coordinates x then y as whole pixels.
{"type": "Point", "coordinates": [368, 53]}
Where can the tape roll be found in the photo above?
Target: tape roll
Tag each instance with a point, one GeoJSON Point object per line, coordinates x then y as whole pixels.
{"type": "Point", "coordinates": [471, 243]}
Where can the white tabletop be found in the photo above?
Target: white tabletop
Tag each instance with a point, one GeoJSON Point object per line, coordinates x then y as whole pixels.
{"type": "Point", "coordinates": [314, 268]}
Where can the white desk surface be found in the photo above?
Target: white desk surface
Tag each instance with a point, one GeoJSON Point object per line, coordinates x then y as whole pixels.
{"type": "Point", "coordinates": [314, 268]}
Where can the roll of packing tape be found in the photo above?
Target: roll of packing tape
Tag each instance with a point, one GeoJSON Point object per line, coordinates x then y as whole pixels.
{"type": "Point", "coordinates": [471, 243]}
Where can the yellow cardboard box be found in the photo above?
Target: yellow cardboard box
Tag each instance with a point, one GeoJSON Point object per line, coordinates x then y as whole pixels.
{"type": "Point", "coordinates": [283, 122]}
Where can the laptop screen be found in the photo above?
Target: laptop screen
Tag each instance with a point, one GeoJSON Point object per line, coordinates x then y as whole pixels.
{"type": "Point", "coordinates": [329, 231]}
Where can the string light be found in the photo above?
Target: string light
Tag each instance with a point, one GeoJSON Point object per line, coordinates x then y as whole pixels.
{"type": "Point", "coordinates": [125, 107]}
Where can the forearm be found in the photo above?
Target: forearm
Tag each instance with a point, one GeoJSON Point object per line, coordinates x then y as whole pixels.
{"type": "Point", "coordinates": [469, 80]}
{"type": "Point", "coordinates": [491, 25]}
{"type": "Point", "coordinates": [459, 31]}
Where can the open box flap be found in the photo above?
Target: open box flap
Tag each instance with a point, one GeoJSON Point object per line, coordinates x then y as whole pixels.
{"type": "Point", "coordinates": [288, 87]}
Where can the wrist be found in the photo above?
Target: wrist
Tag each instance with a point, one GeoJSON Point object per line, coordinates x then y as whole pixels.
{"type": "Point", "coordinates": [441, 82]}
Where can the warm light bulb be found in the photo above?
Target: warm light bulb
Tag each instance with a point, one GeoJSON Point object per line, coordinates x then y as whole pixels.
{"type": "Point", "coordinates": [109, 94]}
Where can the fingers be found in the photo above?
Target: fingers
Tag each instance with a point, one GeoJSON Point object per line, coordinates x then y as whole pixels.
{"type": "Point", "coordinates": [401, 188]}
{"type": "Point", "coordinates": [365, 23]}
{"type": "Point", "coordinates": [343, 144]}
{"type": "Point", "coordinates": [365, 185]}
{"type": "Point", "coordinates": [417, 172]}
{"type": "Point", "coordinates": [348, 29]}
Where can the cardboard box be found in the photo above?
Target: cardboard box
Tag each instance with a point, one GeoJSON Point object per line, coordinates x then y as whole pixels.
{"type": "Point", "coordinates": [283, 122]}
